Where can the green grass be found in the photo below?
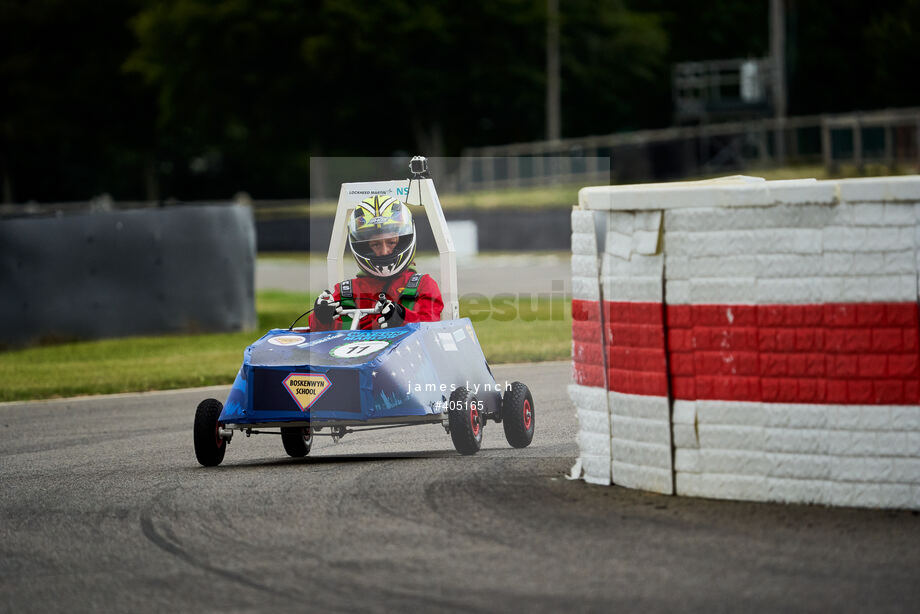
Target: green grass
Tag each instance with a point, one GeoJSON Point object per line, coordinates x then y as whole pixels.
{"type": "Point", "coordinates": [178, 361]}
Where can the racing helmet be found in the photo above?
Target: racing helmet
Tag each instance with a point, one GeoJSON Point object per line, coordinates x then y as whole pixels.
{"type": "Point", "coordinates": [372, 227]}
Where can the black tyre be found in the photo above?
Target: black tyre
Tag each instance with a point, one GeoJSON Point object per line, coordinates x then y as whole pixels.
{"type": "Point", "coordinates": [209, 447]}
{"type": "Point", "coordinates": [518, 415]}
{"type": "Point", "coordinates": [464, 416]}
{"type": "Point", "coordinates": [297, 440]}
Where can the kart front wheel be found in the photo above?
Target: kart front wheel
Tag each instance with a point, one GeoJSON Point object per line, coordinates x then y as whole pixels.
{"type": "Point", "coordinates": [464, 414]}
{"type": "Point", "coordinates": [297, 440]}
{"type": "Point", "coordinates": [209, 445]}
{"type": "Point", "coordinates": [517, 415]}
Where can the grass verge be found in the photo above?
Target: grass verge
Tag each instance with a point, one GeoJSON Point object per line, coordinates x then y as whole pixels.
{"type": "Point", "coordinates": [508, 332]}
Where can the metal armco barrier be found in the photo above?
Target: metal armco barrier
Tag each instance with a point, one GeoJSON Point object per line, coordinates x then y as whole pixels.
{"type": "Point", "coordinates": [145, 271]}
{"type": "Point", "coordinates": [750, 339]}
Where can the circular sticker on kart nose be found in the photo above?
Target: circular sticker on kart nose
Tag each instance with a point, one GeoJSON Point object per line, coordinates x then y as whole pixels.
{"type": "Point", "coordinates": [286, 340]}
{"type": "Point", "coordinates": [358, 348]}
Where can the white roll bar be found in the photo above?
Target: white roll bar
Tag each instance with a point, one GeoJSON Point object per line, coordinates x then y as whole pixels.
{"type": "Point", "coordinates": [419, 192]}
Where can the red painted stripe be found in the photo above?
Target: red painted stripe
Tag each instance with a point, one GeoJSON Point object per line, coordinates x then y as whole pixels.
{"type": "Point", "coordinates": [846, 353]}
{"type": "Point", "coordinates": [635, 347]}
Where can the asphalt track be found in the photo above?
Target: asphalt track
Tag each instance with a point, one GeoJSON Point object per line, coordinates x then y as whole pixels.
{"type": "Point", "coordinates": [104, 508]}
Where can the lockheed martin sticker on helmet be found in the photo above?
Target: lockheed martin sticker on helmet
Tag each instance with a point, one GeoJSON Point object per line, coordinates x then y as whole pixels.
{"type": "Point", "coordinates": [285, 340]}
{"type": "Point", "coordinates": [358, 348]}
{"type": "Point", "coordinates": [306, 388]}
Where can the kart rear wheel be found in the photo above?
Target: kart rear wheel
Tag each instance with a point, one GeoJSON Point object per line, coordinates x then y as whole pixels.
{"type": "Point", "coordinates": [209, 446]}
{"type": "Point", "coordinates": [464, 415]}
{"type": "Point", "coordinates": [297, 440]}
{"type": "Point", "coordinates": [517, 415]}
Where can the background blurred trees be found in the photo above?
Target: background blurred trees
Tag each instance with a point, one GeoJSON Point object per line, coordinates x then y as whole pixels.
{"type": "Point", "coordinates": [200, 99]}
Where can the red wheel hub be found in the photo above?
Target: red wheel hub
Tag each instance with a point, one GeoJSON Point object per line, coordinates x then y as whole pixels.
{"type": "Point", "coordinates": [528, 415]}
{"type": "Point", "coordinates": [217, 436]}
{"type": "Point", "coordinates": [474, 421]}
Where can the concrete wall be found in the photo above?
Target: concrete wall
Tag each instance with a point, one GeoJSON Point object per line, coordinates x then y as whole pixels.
{"type": "Point", "coordinates": [147, 271]}
{"type": "Point", "coordinates": [762, 342]}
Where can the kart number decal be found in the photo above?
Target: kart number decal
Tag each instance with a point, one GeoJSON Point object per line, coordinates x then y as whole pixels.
{"type": "Point", "coordinates": [358, 348]}
{"type": "Point", "coordinates": [285, 340]}
{"type": "Point", "coordinates": [306, 388]}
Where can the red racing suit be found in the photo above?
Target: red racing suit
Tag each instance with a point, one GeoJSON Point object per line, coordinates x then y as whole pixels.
{"type": "Point", "coordinates": [423, 303]}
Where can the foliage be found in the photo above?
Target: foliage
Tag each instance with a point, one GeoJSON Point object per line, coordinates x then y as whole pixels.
{"type": "Point", "coordinates": [199, 99]}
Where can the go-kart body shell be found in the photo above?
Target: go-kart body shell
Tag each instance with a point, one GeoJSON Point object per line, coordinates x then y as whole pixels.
{"type": "Point", "coordinates": [361, 377]}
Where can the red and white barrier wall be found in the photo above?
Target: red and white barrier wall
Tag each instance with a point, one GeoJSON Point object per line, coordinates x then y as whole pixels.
{"type": "Point", "coordinates": [757, 340]}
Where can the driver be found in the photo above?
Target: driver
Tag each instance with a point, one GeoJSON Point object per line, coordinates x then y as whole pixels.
{"type": "Point", "coordinates": [381, 236]}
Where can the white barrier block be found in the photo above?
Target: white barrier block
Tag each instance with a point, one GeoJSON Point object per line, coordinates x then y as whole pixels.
{"type": "Point", "coordinates": [593, 421]}
{"type": "Point", "coordinates": [721, 486]}
{"type": "Point", "coordinates": [585, 266]}
{"type": "Point", "coordinates": [619, 245]}
{"type": "Point", "coordinates": [897, 496]}
{"type": "Point", "coordinates": [646, 242]}
{"type": "Point", "coordinates": [735, 462]}
{"type": "Point", "coordinates": [861, 469]}
{"type": "Point", "coordinates": [893, 287]}
{"type": "Point", "coordinates": [797, 441]}
{"type": "Point", "coordinates": [649, 221]}
{"type": "Point", "coordinates": [596, 469]}
{"type": "Point", "coordinates": [853, 494]}
{"type": "Point", "coordinates": [640, 453]}
{"type": "Point", "coordinates": [588, 398]}
{"type": "Point", "coordinates": [687, 460]}
{"type": "Point", "coordinates": [852, 289]}
{"type": "Point", "coordinates": [685, 437]}
{"type": "Point", "coordinates": [801, 290]}
{"type": "Point", "coordinates": [889, 238]}
{"type": "Point", "coordinates": [730, 413]}
{"type": "Point", "coordinates": [635, 289]}
{"type": "Point", "coordinates": [708, 266]}
{"type": "Point", "coordinates": [862, 214]}
{"type": "Point", "coordinates": [900, 262]}
{"type": "Point", "coordinates": [594, 198]}
{"type": "Point", "coordinates": [788, 265]}
{"type": "Point", "coordinates": [639, 406]}
{"type": "Point", "coordinates": [639, 429]}
{"type": "Point", "coordinates": [876, 189]}
{"type": "Point", "coordinates": [622, 222]}
{"type": "Point", "coordinates": [794, 415]}
{"type": "Point", "coordinates": [582, 221]}
{"type": "Point", "coordinates": [593, 444]}
{"type": "Point", "coordinates": [905, 470]}
{"type": "Point", "coordinates": [729, 437]}
{"type": "Point", "coordinates": [639, 265]}
{"type": "Point", "coordinates": [801, 466]}
{"type": "Point", "coordinates": [843, 238]}
{"type": "Point", "coordinates": [722, 290]}
{"type": "Point", "coordinates": [584, 244]}
{"type": "Point", "coordinates": [898, 214]}
{"type": "Point", "coordinates": [802, 191]}
{"type": "Point", "coordinates": [645, 478]}
{"type": "Point", "coordinates": [684, 412]}
{"type": "Point", "coordinates": [904, 418]}
{"type": "Point", "coordinates": [586, 288]}
{"type": "Point", "coordinates": [895, 443]}
{"type": "Point", "coordinates": [689, 484]}
{"type": "Point", "coordinates": [678, 292]}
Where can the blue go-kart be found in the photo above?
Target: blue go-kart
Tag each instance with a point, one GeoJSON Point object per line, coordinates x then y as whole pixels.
{"type": "Point", "coordinates": [302, 384]}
